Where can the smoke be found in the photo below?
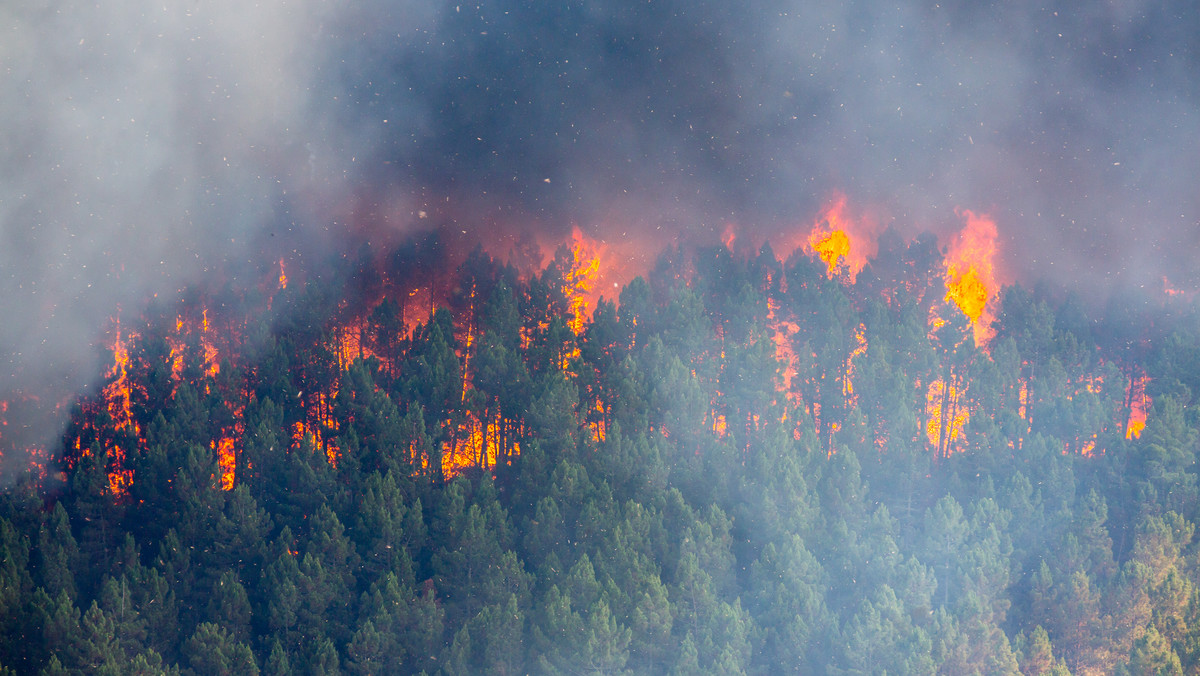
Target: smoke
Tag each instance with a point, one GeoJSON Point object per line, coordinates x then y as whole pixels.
{"type": "Point", "coordinates": [148, 147]}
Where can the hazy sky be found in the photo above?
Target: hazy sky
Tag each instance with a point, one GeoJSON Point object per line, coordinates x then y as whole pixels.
{"type": "Point", "coordinates": [146, 146]}
{"type": "Point", "coordinates": [1074, 126]}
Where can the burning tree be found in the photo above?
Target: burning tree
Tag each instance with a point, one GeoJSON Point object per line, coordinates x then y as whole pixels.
{"type": "Point", "coordinates": [491, 452]}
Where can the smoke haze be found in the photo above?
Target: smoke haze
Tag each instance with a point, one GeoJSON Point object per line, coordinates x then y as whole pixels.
{"type": "Point", "coordinates": [147, 147]}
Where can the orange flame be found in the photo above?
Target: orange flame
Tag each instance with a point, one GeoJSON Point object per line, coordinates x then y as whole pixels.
{"type": "Point", "coordinates": [176, 349]}
{"type": "Point", "coordinates": [212, 362]}
{"type": "Point", "coordinates": [316, 433]}
{"type": "Point", "coordinates": [1139, 406]}
{"type": "Point", "coordinates": [1023, 399]}
{"type": "Point", "coordinates": [476, 444]}
{"type": "Point", "coordinates": [1088, 450]}
{"type": "Point", "coordinates": [118, 396]}
{"type": "Point", "coordinates": [839, 242]}
{"type": "Point", "coordinates": [860, 348]}
{"type": "Point", "coordinates": [782, 331]}
{"type": "Point", "coordinates": [729, 236]}
{"type": "Point", "coordinates": [831, 247]}
{"type": "Point", "coordinates": [282, 275]}
{"type": "Point", "coordinates": [225, 461]}
{"type": "Point", "coordinates": [118, 393]}
{"type": "Point", "coordinates": [946, 417]}
{"type": "Point", "coordinates": [599, 426]}
{"type": "Point", "coordinates": [970, 275]}
{"type": "Point", "coordinates": [719, 425]}
{"type": "Point", "coordinates": [579, 282]}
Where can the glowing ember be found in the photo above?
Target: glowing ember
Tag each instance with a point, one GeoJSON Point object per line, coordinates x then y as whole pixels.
{"type": "Point", "coordinates": [719, 427]}
{"type": "Point", "coordinates": [1089, 448]}
{"type": "Point", "coordinates": [282, 275]}
{"type": "Point", "coordinates": [212, 362]}
{"type": "Point", "coordinates": [350, 346]}
{"type": "Point", "coordinates": [119, 481]}
{"type": "Point", "coordinates": [970, 276]}
{"type": "Point", "coordinates": [300, 432]}
{"type": "Point", "coordinates": [1023, 399]}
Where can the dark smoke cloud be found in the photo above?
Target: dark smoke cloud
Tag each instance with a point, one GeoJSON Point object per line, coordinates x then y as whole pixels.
{"type": "Point", "coordinates": [1075, 126]}
{"type": "Point", "coordinates": [147, 147]}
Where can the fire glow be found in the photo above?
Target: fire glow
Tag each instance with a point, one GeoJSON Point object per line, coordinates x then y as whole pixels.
{"type": "Point", "coordinates": [1139, 406]}
{"type": "Point", "coordinates": [584, 269]}
{"type": "Point", "coordinates": [840, 242]}
{"type": "Point", "coordinates": [970, 273]}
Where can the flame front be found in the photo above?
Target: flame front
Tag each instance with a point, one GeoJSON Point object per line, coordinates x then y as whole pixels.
{"type": "Point", "coordinates": [824, 369]}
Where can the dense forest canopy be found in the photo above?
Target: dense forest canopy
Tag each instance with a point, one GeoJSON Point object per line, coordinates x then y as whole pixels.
{"type": "Point", "coordinates": [742, 464]}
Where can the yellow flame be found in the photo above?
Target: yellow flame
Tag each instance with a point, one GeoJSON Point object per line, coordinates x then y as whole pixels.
{"type": "Point", "coordinates": [225, 461]}
{"type": "Point", "coordinates": [970, 275]}
{"type": "Point", "coordinates": [1139, 406]}
{"type": "Point", "coordinates": [949, 431]}
{"type": "Point", "coordinates": [831, 247]}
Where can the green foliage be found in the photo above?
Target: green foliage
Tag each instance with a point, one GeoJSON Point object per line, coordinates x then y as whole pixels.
{"type": "Point", "coordinates": [648, 498]}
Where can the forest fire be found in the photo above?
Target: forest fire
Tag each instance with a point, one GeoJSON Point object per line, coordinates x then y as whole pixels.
{"type": "Point", "coordinates": [970, 273]}
{"type": "Point", "coordinates": [118, 392]}
{"type": "Point", "coordinates": [439, 385]}
{"type": "Point", "coordinates": [946, 418]}
{"type": "Point", "coordinates": [118, 402]}
{"type": "Point", "coordinates": [832, 247]}
{"type": "Point", "coordinates": [839, 241]}
{"type": "Point", "coordinates": [782, 333]}
{"type": "Point", "coordinates": [512, 338]}
{"type": "Point", "coordinates": [1138, 403]}
{"type": "Point", "coordinates": [579, 279]}
{"type": "Point", "coordinates": [226, 461]}
{"type": "Point", "coordinates": [481, 435]}
{"type": "Point", "coordinates": [860, 348]}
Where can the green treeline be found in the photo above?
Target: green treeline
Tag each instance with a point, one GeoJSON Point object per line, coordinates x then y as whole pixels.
{"type": "Point", "coordinates": [655, 504]}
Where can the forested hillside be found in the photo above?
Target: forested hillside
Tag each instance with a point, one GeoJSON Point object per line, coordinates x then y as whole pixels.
{"type": "Point", "coordinates": [740, 465]}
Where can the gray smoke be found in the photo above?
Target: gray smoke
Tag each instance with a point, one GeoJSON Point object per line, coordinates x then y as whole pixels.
{"type": "Point", "coordinates": [1074, 126]}
{"type": "Point", "coordinates": [148, 147]}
